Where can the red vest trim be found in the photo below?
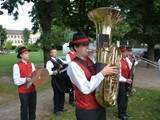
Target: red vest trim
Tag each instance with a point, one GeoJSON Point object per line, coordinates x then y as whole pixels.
{"type": "Point", "coordinates": [125, 71]}
{"type": "Point", "coordinates": [83, 101]}
{"type": "Point", "coordinates": [25, 71]}
{"type": "Point", "coordinates": [72, 56]}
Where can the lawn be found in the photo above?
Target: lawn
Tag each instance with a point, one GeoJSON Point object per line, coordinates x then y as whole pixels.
{"type": "Point", "coordinates": [7, 61]}
{"type": "Point", "coordinates": [143, 105]}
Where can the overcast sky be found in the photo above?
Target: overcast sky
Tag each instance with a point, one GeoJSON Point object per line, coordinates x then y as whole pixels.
{"type": "Point", "coordinates": [23, 20]}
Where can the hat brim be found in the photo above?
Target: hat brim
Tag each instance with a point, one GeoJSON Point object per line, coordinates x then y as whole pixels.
{"type": "Point", "coordinates": [18, 56]}
{"type": "Point", "coordinates": [87, 42]}
{"type": "Point", "coordinates": [69, 45]}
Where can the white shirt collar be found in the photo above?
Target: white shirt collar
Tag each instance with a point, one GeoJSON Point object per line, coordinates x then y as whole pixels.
{"type": "Point", "coordinates": [24, 61]}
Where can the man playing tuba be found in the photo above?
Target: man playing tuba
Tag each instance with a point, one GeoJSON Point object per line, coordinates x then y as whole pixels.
{"type": "Point", "coordinates": [85, 80]}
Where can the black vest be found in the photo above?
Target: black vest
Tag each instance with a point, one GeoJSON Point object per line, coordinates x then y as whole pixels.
{"type": "Point", "coordinates": [57, 64]}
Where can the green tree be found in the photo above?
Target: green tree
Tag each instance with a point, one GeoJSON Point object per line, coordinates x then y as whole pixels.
{"type": "Point", "coordinates": [74, 15]}
{"type": "Point", "coordinates": [41, 13]}
{"type": "Point", "coordinates": [143, 18]}
{"type": "Point", "coordinates": [8, 45]}
{"type": "Point", "coordinates": [3, 36]}
{"type": "Point", "coordinates": [26, 34]}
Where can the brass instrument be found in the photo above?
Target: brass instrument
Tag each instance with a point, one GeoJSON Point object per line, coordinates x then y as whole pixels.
{"type": "Point", "coordinates": [105, 19]}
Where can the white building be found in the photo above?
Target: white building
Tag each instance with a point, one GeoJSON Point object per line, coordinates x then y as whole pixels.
{"type": "Point", "coordinates": [16, 37]}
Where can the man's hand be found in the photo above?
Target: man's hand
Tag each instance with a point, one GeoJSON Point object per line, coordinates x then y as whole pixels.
{"type": "Point", "coordinates": [28, 79]}
{"type": "Point", "coordinates": [129, 81]}
{"type": "Point", "coordinates": [55, 72]}
{"type": "Point", "coordinates": [60, 67]}
{"type": "Point", "coordinates": [108, 70]}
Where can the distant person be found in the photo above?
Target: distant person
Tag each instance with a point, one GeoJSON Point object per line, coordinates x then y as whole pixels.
{"type": "Point", "coordinates": [53, 65]}
{"type": "Point", "coordinates": [69, 57]}
{"type": "Point", "coordinates": [159, 64]}
{"type": "Point", "coordinates": [85, 80]}
{"type": "Point", "coordinates": [21, 75]}
{"type": "Point", "coordinates": [124, 80]}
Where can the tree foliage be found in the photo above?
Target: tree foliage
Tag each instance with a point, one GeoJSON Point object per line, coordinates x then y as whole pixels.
{"type": "Point", "coordinates": [143, 17]}
{"type": "Point", "coordinates": [26, 35]}
{"type": "Point", "coordinates": [3, 36]}
{"type": "Point", "coordinates": [75, 13]}
{"type": "Point", "coordinates": [8, 45]}
{"type": "Point", "coordinates": [41, 13]}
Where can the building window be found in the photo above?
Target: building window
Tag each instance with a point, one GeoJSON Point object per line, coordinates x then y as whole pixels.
{"type": "Point", "coordinates": [14, 36]}
{"type": "Point", "coordinates": [15, 41]}
{"type": "Point", "coordinates": [11, 36]}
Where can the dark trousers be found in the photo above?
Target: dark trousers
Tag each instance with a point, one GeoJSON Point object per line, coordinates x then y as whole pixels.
{"type": "Point", "coordinates": [28, 105]}
{"type": "Point", "coordinates": [58, 97]}
{"type": "Point", "coordinates": [95, 114]}
{"type": "Point", "coordinates": [122, 99]}
{"type": "Point", "coordinates": [71, 96]}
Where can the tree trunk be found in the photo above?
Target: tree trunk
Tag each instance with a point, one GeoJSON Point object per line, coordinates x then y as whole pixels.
{"type": "Point", "coordinates": [150, 53]}
{"type": "Point", "coordinates": [46, 10]}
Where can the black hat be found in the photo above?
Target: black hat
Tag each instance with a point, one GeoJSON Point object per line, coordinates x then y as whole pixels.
{"type": "Point", "coordinates": [122, 48]}
{"type": "Point", "coordinates": [70, 44]}
{"type": "Point", "coordinates": [21, 50]}
{"type": "Point", "coordinates": [80, 37]}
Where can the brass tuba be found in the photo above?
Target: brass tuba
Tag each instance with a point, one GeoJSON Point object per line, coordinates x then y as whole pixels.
{"type": "Point", "coordinates": [105, 19]}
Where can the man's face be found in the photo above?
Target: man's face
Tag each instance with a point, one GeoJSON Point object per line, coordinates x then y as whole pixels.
{"type": "Point", "coordinates": [124, 54]}
{"type": "Point", "coordinates": [82, 50]}
{"type": "Point", "coordinates": [53, 53]}
{"type": "Point", "coordinates": [129, 53]}
{"type": "Point", "coordinates": [25, 55]}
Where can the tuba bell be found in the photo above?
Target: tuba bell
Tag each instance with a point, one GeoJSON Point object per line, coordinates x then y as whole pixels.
{"type": "Point", "coordinates": [105, 19]}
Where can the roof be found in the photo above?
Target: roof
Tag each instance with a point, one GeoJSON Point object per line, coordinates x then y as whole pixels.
{"type": "Point", "coordinates": [14, 31]}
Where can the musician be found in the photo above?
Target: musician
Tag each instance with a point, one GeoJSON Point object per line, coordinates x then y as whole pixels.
{"type": "Point", "coordinates": [69, 57]}
{"type": "Point", "coordinates": [53, 65]}
{"type": "Point", "coordinates": [131, 56]}
{"type": "Point", "coordinates": [22, 71]}
{"type": "Point", "coordinates": [123, 84]}
{"type": "Point", "coordinates": [85, 80]}
{"type": "Point", "coordinates": [134, 61]}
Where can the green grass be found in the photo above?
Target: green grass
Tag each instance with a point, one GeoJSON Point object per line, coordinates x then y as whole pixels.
{"type": "Point", "coordinates": [7, 61]}
{"type": "Point", "coordinates": [143, 105]}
